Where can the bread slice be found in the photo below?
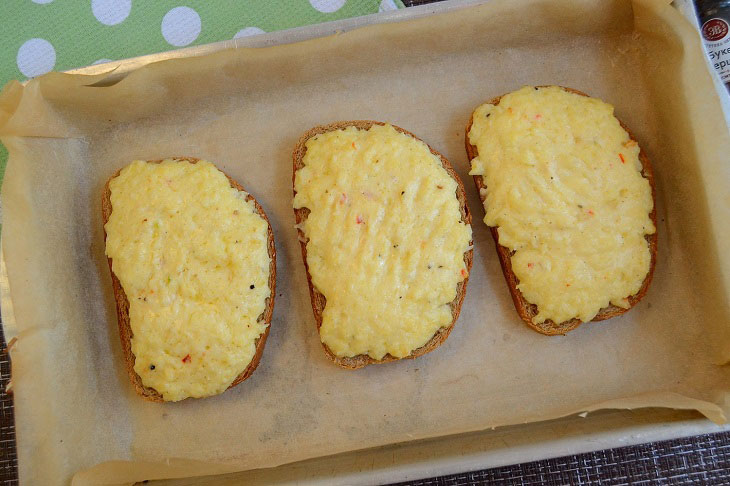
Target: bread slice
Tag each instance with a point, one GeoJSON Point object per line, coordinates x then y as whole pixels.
{"type": "Point", "coordinates": [319, 301]}
{"type": "Point", "coordinates": [125, 330]}
{"type": "Point", "coordinates": [525, 309]}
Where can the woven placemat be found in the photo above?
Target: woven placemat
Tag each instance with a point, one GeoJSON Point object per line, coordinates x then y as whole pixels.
{"type": "Point", "coordinates": [703, 459]}
{"type": "Point", "coordinates": [8, 452]}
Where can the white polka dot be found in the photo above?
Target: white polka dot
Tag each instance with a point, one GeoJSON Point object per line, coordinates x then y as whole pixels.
{"type": "Point", "coordinates": [36, 57]}
{"type": "Point", "coordinates": [327, 6]}
{"type": "Point", "coordinates": [387, 5]}
{"type": "Point", "coordinates": [111, 12]}
{"type": "Point", "coordinates": [101, 61]}
{"type": "Point", "coordinates": [42, 1]}
{"type": "Point", "coordinates": [181, 26]}
{"type": "Point", "coordinates": [248, 31]}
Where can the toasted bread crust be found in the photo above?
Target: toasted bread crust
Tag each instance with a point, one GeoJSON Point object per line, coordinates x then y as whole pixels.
{"type": "Point", "coordinates": [125, 330]}
{"type": "Point", "coordinates": [525, 309]}
{"type": "Point", "coordinates": [319, 301]}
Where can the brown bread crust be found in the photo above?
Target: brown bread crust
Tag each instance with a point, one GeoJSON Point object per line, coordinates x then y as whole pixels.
{"type": "Point", "coordinates": [525, 309]}
{"type": "Point", "coordinates": [319, 301]}
{"type": "Point", "coordinates": [125, 330]}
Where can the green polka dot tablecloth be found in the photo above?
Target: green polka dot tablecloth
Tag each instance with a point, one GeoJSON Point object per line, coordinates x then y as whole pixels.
{"type": "Point", "coordinates": [38, 36]}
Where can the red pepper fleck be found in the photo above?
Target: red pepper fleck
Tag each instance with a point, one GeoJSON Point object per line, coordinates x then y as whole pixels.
{"type": "Point", "coordinates": [538, 116]}
{"type": "Point", "coordinates": [186, 359]}
{"type": "Point", "coordinates": [530, 265]}
{"type": "Point", "coordinates": [621, 156]}
{"type": "Point", "coordinates": [359, 219]}
{"type": "Point", "coordinates": [353, 145]}
{"type": "Point", "coordinates": [464, 273]}
{"type": "Point", "coordinates": [343, 198]}
{"type": "Point", "coordinates": [590, 211]}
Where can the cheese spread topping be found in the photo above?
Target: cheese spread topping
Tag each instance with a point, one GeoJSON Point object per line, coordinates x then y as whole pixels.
{"type": "Point", "coordinates": [565, 189]}
{"type": "Point", "coordinates": [386, 240]}
{"type": "Point", "coordinates": [192, 256]}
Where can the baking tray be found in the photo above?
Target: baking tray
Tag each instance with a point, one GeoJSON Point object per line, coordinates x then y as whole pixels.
{"type": "Point", "coordinates": [443, 455]}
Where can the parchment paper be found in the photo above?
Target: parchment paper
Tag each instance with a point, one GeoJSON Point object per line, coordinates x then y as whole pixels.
{"type": "Point", "coordinates": [244, 110]}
